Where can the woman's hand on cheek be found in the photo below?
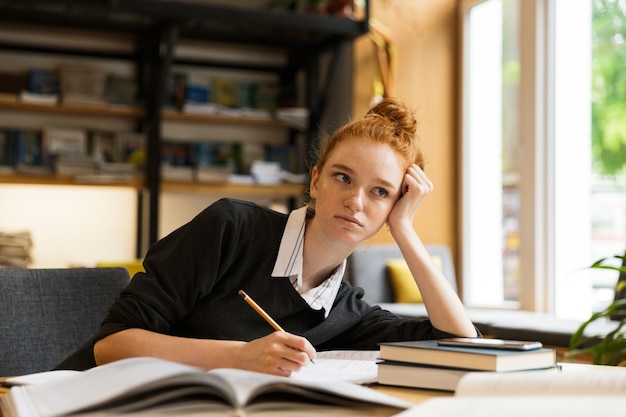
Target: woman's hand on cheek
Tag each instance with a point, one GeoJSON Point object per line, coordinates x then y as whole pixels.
{"type": "Point", "coordinates": [415, 187]}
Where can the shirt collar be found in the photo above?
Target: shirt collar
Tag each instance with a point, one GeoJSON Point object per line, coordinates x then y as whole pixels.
{"type": "Point", "coordinates": [289, 261]}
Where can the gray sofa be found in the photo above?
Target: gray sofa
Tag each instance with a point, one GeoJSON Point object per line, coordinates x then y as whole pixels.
{"type": "Point", "coordinates": [367, 269]}
{"type": "Point", "coordinates": [47, 314]}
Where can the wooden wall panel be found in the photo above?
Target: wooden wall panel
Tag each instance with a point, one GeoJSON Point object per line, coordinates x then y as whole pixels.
{"type": "Point", "coordinates": [426, 43]}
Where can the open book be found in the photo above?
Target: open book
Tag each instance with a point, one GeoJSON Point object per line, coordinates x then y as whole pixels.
{"type": "Point", "coordinates": [148, 384]}
{"type": "Point", "coordinates": [358, 366]}
{"type": "Point", "coordinates": [578, 390]}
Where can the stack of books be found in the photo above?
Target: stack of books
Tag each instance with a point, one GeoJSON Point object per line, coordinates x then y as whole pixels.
{"type": "Point", "coordinates": [430, 365]}
{"type": "Point", "coordinates": [15, 249]}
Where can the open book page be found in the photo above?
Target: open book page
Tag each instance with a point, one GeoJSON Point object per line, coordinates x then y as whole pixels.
{"type": "Point", "coordinates": [86, 389]}
{"type": "Point", "coordinates": [39, 377]}
{"type": "Point", "coordinates": [357, 366]}
{"type": "Point", "coordinates": [579, 390]}
{"type": "Point", "coordinates": [247, 386]}
{"type": "Point", "coordinates": [132, 384]}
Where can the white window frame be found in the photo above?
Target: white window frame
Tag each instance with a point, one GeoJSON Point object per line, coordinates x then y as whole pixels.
{"type": "Point", "coordinates": [536, 127]}
{"type": "Point", "coordinates": [540, 264]}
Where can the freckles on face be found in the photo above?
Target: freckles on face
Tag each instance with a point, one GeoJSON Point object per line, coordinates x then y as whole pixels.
{"type": "Point", "coordinates": [361, 178]}
{"type": "Point", "coordinates": [371, 164]}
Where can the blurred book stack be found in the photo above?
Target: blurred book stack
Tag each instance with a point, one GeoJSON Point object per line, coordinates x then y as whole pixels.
{"type": "Point", "coordinates": [428, 365]}
{"type": "Point", "coordinates": [15, 249]}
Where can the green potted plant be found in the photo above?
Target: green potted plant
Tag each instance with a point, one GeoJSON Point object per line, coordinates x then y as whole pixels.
{"type": "Point", "coordinates": [609, 349]}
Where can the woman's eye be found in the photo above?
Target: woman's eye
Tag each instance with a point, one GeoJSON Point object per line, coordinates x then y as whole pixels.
{"type": "Point", "coordinates": [342, 177]}
{"type": "Point", "coordinates": [381, 192]}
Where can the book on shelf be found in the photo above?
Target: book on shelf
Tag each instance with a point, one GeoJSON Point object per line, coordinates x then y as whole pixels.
{"type": "Point", "coordinates": [200, 108]}
{"type": "Point", "coordinates": [266, 96]}
{"type": "Point", "coordinates": [246, 91]}
{"type": "Point", "coordinates": [177, 173]}
{"type": "Point", "coordinates": [116, 168]}
{"type": "Point", "coordinates": [43, 81]}
{"type": "Point", "coordinates": [285, 155]}
{"type": "Point", "coordinates": [241, 179]}
{"type": "Point", "coordinates": [213, 174]}
{"type": "Point", "coordinates": [66, 151]}
{"type": "Point", "coordinates": [428, 352]}
{"type": "Point", "coordinates": [109, 152]}
{"type": "Point", "coordinates": [101, 177]}
{"type": "Point", "coordinates": [212, 153]}
{"type": "Point", "coordinates": [218, 109]}
{"type": "Point", "coordinates": [82, 84]}
{"type": "Point", "coordinates": [214, 161]}
{"type": "Point", "coordinates": [578, 389]}
{"type": "Point", "coordinates": [256, 99]}
{"type": "Point", "coordinates": [29, 155]}
{"type": "Point", "coordinates": [7, 157]}
{"type": "Point", "coordinates": [147, 385]}
{"type": "Point", "coordinates": [71, 151]}
{"type": "Point", "coordinates": [266, 172]}
{"type": "Point", "coordinates": [442, 378]}
{"type": "Point", "coordinates": [38, 98]}
{"type": "Point", "coordinates": [297, 117]}
{"type": "Point", "coordinates": [251, 113]}
{"type": "Point", "coordinates": [197, 93]}
{"type": "Point", "coordinates": [39, 170]}
{"type": "Point", "coordinates": [176, 153]}
{"type": "Point", "coordinates": [224, 91]}
{"type": "Point", "coordinates": [62, 140]}
{"type": "Point", "coordinates": [71, 164]}
{"type": "Point", "coordinates": [176, 86]}
{"type": "Point", "coordinates": [176, 162]}
{"type": "Point", "coordinates": [104, 146]}
{"type": "Point", "coordinates": [133, 148]}
{"type": "Point", "coordinates": [120, 90]}
{"type": "Point", "coordinates": [43, 87]}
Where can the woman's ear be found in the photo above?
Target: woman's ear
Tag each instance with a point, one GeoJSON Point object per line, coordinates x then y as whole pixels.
{"type": "Point", "coordinates": [314, 181]}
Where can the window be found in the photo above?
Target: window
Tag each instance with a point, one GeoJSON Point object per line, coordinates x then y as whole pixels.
{"type": "Point", "coordinates": [543, 151]}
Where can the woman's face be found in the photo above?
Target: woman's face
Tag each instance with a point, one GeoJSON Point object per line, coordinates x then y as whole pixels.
{"type": "Point", "coordinates": [356, 189]}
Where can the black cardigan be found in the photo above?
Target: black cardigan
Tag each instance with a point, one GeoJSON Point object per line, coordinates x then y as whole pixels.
{"type": "Point", "coordinates": [190, 288]}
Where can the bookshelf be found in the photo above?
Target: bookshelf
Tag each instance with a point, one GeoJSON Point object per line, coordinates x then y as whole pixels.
{"type": "Point", "coordinates": [216, 118]}
{"type": "Point", "coordinates": [253, 190]}
{"type": "Point", "coordinates": [135, 182]}
{"type": "Point", "coordinates": [156, 32]}
{"type": "Point", "coordinates": [9, 102]}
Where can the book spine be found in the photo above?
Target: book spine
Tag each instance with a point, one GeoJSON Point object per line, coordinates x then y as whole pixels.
{"type": "Point", "coordinates": [28, 150]}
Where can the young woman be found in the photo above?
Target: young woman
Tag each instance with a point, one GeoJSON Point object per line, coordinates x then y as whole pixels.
{"type": "Point", "coordinates": [186, 306]}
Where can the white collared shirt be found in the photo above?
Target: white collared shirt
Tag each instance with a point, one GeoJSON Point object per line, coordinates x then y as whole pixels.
{"type": "Point", "coordinates": [289, 264]}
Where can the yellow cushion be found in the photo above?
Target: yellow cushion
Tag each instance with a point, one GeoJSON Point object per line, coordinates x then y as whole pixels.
{"type": "Point", "coordinates": [404, 287]}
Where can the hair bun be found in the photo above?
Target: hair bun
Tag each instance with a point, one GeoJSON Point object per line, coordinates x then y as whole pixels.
{"type": "Point", "coordinates": [398, 114]}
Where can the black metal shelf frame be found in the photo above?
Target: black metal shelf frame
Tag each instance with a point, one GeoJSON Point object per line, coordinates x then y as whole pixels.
{"type": "Point", "coordinates": [158, 25]}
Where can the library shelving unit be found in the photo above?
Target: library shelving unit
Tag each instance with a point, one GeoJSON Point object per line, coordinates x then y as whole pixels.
{"type": "Point", "coordinates": [156, 28]}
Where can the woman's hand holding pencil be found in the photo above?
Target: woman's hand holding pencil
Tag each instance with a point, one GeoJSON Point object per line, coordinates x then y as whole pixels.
{"type": "Point", "coordinates": [270, 320]}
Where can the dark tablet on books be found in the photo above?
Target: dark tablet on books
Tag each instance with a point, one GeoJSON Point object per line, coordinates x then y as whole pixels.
{"type": "Point", "coordinates": [489, 343]}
